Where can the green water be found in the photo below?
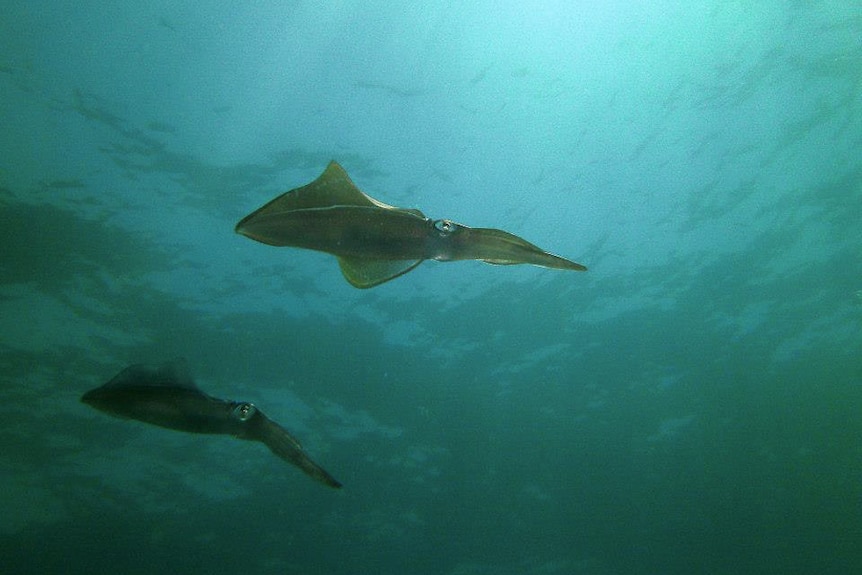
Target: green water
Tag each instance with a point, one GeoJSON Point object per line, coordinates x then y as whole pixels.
{"type": "Point", "coordinates": [691, 404]}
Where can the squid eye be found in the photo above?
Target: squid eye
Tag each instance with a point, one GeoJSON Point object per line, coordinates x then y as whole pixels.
{"type": "Point", "coordinates": [244, 411]}
{"type": "Point", "coordinates": [445, 227]}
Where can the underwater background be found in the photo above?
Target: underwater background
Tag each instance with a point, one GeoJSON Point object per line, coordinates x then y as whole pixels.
{"type": "Point", "coordinates": [691, 404]}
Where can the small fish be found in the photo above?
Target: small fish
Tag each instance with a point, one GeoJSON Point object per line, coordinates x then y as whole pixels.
{"type": "Point", "coordinates": [375, 242]}
{"type": "Point", "coordinates": [166, 396]}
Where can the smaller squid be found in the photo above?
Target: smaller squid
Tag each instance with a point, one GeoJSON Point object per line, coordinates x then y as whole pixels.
{"type": "Point", "coordinates": [166, 396]}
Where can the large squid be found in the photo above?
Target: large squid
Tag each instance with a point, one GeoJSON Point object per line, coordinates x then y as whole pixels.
{"type": "Point", "coordinates": [375, 242]}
